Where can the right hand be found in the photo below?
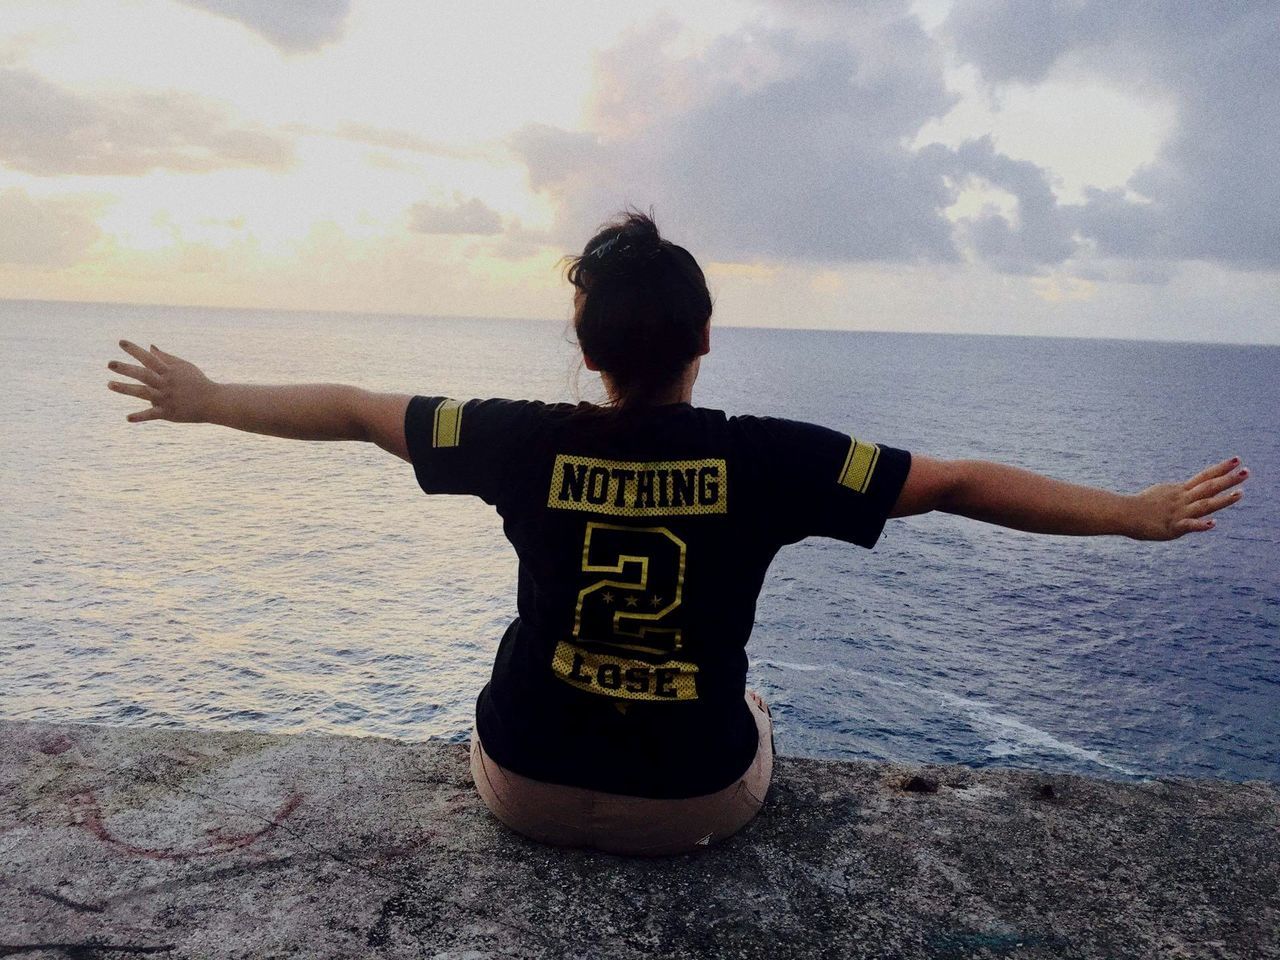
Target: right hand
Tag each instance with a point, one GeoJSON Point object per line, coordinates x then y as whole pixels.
{"type": "Point", "coordinates": [176, 389]}
{"type": "Point", "coordinates": [1170, 510]}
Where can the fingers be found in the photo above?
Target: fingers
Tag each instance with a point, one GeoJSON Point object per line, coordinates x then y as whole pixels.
{"type": "Point", "coordinates": [1216, 485]}
{"type": "Point", "coordinates": [135, 371]}
{"type": "Point", "coordinates": [1208, 473]}
{"type": "Point", "coordinates": [1193, 525]}
{"type": "Point", "coordinates": [1210, 505]}
{"type": "Point", "coordinates": [149, 360]}
{"type": "Point", "coordinates": [132, 389]}
{"type": "Point", "coordinates": [155, 362]}
{"type": "Point", "coordinates": [1212, 489]}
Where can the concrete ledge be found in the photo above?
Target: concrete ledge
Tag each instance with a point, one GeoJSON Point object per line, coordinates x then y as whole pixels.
{"type": "Point", "coordinates": [133, 842]}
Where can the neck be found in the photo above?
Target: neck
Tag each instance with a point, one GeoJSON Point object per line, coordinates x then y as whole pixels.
{"type": "Point", "coordinates": [679, 391]}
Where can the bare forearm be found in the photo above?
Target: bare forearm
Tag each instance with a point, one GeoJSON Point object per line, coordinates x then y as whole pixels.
{"type": "Point", "coordinates": [304, 411]}
{"type": "Point", "coordinates": [1028, 501]}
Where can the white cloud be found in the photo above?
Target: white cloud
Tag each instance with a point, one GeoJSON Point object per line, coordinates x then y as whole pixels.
{"type": "Point", "coordinates": [295, 27]}
{"type": "Point", "coordinates": [462, 216]}
{"type": "Point", "coordinates": [48, 130]}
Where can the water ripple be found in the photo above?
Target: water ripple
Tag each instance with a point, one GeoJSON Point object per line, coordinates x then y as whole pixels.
{"type": "Point", "coordinates": [173, 575]}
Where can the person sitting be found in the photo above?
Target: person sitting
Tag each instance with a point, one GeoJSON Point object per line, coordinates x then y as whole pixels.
{"type": "Point", "coordinates": [617, 716]}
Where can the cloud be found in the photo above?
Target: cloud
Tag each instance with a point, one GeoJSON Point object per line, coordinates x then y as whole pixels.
{"type": "Point", "coordinates": [44, 232]}
{"type": "Point", "coordinates": [389, 139]}
{"type": "Point", "coordinates": [48, 130]}
{"type": "Point", "coordinates": [382, 137]}
{"type": "Point", "coordinates": [793, 142]}
{"type": "Point", "coordinates": [768, 143]}
{"type": "Point", "coordinates": [1037, 235]}
{"type": "Point", "coordinates": [470, 216]}
{"type": "Point", "coordinates": [292, 26]}
{"type": "Point", "coordinates": [1211, 192]}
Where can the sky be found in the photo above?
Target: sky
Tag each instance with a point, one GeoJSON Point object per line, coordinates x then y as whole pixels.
{"type": "Point", "coordinates": [1041, 167]}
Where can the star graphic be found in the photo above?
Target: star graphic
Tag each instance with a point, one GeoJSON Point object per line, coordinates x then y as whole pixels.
{"type": "Point", "coordinates": [631, 601]}
{"type": "Point", "coordinates": [655, 601]}
{"type": "Point", "coordinates": [607, 597]}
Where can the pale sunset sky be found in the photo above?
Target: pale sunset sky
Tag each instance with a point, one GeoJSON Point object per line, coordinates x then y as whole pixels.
{"type": "Point", "coordinates": [1066, 167]}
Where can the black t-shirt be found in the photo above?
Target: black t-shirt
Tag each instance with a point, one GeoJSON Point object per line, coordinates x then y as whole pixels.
{"type": "Point", "coordinates": [643, 539]}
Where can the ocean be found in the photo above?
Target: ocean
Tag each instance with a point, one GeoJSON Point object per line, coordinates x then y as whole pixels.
{"type": "Point", "coordinates": [178, 575]}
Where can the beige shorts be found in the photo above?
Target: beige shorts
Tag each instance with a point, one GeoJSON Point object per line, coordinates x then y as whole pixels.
{"type": "Point", "coordinates": [636, 826]}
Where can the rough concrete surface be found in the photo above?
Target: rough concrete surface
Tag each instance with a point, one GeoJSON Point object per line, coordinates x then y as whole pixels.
{"type": "Point", "coordinates": [133, 842]}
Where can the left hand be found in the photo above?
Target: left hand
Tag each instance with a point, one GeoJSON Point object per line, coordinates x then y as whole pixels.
{"type": "Point", "coordinates": [1170, 510]}
{"type": "Point", "coordinates": [176, 389]}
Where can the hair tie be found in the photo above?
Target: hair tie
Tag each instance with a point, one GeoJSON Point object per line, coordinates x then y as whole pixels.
{"type": "Point", "coordinates": [604, 248]}
{"type": "Point", "coordinates": [625, 249]}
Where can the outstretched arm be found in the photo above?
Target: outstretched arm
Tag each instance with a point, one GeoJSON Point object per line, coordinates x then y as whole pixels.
{"type": "Point", "coordinates": [1028, 501]}
{"type": "Point", "coordinates": [177, 390]}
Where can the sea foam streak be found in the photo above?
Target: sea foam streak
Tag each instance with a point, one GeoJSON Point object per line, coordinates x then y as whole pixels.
{"type": "Point", "coordinates": [1010, 736]}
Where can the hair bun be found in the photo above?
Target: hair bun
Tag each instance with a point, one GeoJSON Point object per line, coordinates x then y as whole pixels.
{"type": "Point", "coordinates": [636, 242]}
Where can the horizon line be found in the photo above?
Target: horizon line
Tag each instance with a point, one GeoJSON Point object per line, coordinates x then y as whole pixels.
{"type": "Point", "coordinates": [390, 314]}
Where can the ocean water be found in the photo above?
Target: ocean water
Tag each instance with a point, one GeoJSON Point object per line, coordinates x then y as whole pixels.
{"type": "Point", "coordinates": [166, 574]}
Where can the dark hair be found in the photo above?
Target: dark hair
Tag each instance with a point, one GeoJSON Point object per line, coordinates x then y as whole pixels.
{"type": "Point", "coordinates": [644, 307]}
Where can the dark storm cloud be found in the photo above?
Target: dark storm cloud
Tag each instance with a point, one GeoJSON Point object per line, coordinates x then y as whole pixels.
{"type": "Point", "coordinates": [47, 130]}
{"type": "Point", "coordinates": [47, 233]}
{"type": "Point", "coordinates": [1211, 192]}
{"type": "Point", "coordinates": [290, 25]}
{"type": "Point", "coordinates": [766, 144]}
{"type": "Point", "coordinates": [470, 216]}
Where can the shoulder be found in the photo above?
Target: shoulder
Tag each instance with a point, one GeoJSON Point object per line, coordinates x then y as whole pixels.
{"type": "Point", "coordinates": [487, 407]}
{"type": "Point", "coordinates": [493, 403]}
{"type": "Point", "coordinates": [450, 422]}
{"type": "Point", "coordinates": [473, 445]}
{"type": "Point", "coordinates": [780, 430]}
{"type": "Point", "coordinates": [801, 448]}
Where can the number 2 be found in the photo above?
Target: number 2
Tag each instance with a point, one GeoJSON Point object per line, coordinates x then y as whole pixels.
{"type": "Point", "coordinates": [635, 608]}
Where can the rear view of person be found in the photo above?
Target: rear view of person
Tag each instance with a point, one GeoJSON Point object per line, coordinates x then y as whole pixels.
{"type": "Point", "coordinates": [617, 715]}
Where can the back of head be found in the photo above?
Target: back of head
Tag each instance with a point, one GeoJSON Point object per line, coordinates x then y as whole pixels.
{"type": "Point", "coordinates": [642, 309]}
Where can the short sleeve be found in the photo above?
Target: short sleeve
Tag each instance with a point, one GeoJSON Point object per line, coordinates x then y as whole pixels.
{"type": "Point", "coordinates": [469, 446]}
{"type": "Point", "coordinates": [819, 482]}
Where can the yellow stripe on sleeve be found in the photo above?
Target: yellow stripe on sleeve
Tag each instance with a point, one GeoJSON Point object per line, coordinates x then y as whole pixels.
{"type": "Point", "coordinates": [448, 424]}
{"type": "Point", "coordinates": [859, 465]}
